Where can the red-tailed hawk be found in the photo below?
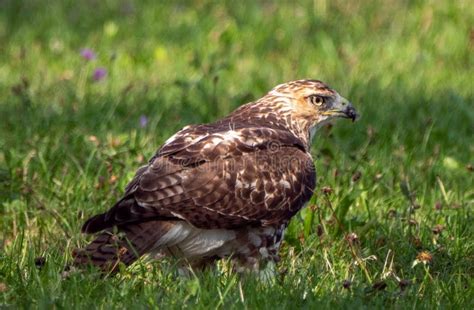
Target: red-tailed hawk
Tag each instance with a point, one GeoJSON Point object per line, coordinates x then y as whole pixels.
{"type": "Point", "coordinates": [225, 189]}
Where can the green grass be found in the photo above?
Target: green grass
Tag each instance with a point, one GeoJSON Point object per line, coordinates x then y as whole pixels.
{"type": "Point", "coordinates": [69, 145]}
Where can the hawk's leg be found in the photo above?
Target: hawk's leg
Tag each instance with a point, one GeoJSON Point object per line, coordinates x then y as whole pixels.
{"type": "Point", "coordinates": [256, 260]}
{"type": "Point", "coordinates": [259, 250]}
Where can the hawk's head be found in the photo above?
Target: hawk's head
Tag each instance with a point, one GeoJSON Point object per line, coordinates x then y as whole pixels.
{"type": "Point", "coordinates": [315, 100]}
{"type": "Point", "coordinates": [311, 104]}
{"type": "Point", "coordinates": [300, 106]}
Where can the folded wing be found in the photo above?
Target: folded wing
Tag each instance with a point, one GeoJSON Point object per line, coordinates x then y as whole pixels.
{"type": "Point", "coordinates": [218, 179]}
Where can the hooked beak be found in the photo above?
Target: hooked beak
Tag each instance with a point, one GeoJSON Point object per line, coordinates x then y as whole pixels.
{"type": "Point", "coordinates": [351, 113]}
{"type": "Point", "coordinates": [345, 110]}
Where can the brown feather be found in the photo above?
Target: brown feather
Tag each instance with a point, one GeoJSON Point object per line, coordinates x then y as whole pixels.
{"type": "Point", "coordinates": [108, 250]}
{"type": "Point", "coordinates": [249, 173]}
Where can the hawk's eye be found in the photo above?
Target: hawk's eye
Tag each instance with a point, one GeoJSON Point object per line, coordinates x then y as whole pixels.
{"type": "Point", "coordinates": [317, 100]}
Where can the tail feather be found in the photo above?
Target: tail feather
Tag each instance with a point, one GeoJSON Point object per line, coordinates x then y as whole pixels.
{"type": "Point", "coordinates": [124, 212]}
{"type": "Point", "coordinates": [129, 243]}
{"type": "Point", "coordinates": [95, 224]}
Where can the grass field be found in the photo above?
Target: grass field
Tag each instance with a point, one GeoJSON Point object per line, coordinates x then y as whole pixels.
{"type": "Point", "coordinates": [75, 124]}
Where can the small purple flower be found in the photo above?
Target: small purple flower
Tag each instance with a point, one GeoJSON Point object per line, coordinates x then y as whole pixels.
{"type": "Point", "coordinates": [99, 74]}
{"type": "Point", "coordinates": [143, 121]}
{"type": "Point", "coordinates": [87, 54]}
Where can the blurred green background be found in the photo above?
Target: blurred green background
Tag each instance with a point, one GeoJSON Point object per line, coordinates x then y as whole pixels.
{"type": "Point", "coordinates": [90, 89]}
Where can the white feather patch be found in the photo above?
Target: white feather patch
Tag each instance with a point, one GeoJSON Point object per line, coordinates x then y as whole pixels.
{"type": "Point", "coordinates": [191, 241]}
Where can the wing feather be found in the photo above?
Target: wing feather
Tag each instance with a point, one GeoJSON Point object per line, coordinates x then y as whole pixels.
{"type": "Point", "coordinates": [226, 179]}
